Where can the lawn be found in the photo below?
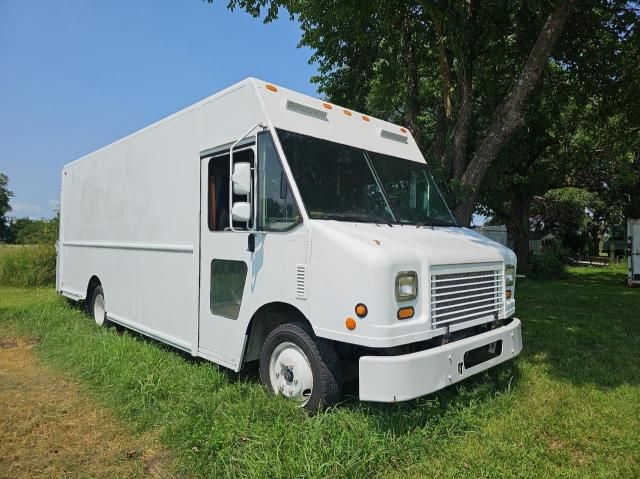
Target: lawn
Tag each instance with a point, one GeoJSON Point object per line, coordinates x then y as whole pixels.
{"type": "Point", "coordinates": [569, 406]}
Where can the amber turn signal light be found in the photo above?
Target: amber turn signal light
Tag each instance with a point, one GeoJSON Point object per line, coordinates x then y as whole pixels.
{"type": "Point", "coordinates": [507, 294]}
{"type": "Point", "coordinates": [405, 313]}
{"type": "Point", "coordinates": [361, 310]}
{"type": "Point", "coordinates": [350, 323]}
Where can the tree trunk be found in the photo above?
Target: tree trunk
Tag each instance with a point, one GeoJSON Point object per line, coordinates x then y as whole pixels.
{"type": "Point", "coordinates": [463, 120]}
{"type": "Point", "coordinates": [521, 245]}
{"type": "Point", "coordinates": [520, 209]}
{"type": "Point", "coordinates": [509, 115]}
{"type": "Point", "coordinates": [445, 107]}
{"type": "Point", "coordinates": [412, 102]}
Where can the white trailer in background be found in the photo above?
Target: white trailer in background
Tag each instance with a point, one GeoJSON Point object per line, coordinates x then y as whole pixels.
{"type": "Point", "coordinates": [633, 251]}
{"type": "Point", "coordinates": [263, 224]}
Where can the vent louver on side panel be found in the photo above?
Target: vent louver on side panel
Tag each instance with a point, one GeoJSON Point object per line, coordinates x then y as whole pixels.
{"type": "Point", "coordinates": [301, 281]}
{"type": "Point", "coordinates": [389, 135]}
{"type": "Point", "coordinates": [307, 110]}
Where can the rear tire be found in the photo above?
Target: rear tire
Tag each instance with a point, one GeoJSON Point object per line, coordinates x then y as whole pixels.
{"type": "Point", "coordinates": [97, 306]}
{"type": "Point", "coordinates": [299, 365]}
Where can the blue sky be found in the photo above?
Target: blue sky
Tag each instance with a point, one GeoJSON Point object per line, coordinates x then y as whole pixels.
{"type": "Point", "coordinates": [76, 75]}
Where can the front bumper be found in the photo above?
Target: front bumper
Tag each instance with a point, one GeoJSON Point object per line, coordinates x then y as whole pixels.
{"type": "Point", "coordinates": [408, 376]}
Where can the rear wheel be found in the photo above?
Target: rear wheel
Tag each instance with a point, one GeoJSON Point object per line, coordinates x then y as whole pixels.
{"type": "Point", "coordinates": [300, 366]}
{"type": "Point", "coordinates": [97, 306]}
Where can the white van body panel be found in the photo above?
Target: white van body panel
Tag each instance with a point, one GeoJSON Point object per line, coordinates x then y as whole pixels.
{"type": "Point", "coordinates": [339, 251]}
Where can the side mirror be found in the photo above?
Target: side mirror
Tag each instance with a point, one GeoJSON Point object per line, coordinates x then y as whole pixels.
{"type": "Point", "coordinates": [241, 178]}
{"type": "Point", "coordinates": [241, 211]}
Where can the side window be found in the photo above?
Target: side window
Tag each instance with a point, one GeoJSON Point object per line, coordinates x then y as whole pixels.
{"type": "Point", "coordinates": [227, 285]}
{"type": "Point", "coordinates": [277, 209]}
{"type": "Point", "coordinates": [218, 196]}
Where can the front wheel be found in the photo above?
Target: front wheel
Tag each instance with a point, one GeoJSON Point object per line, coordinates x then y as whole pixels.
{"type": "Point", "coordinates": [300, 366]}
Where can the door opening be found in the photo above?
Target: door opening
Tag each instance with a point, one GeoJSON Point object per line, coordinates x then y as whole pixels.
{"type": "Point", "coordinates": [218, 190]}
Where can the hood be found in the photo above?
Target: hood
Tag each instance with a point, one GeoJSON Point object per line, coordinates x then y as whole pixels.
{"type": "Point", "coordinates": [438, 245]}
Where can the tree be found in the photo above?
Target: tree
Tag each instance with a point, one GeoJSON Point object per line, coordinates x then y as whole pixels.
{"type": "Point", "coordinates": [581, 130]}
{"type": "Point", "coordinates": [5, 207]}
{"type": "Point", "coordinates": [28, 231]}
{"type": "Point", "coordinates": [365, 48]}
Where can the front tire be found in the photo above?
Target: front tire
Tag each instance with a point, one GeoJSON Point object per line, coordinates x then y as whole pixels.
{"type": "Point", "coordinates": [97, 306]}
{"type": "Point", "coordinates": [301, 367]}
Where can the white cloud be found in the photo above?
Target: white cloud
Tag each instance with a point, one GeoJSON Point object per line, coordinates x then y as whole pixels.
{"type": "Point", "coordinates": [54, 205]}
{"type": "Point", "coordinates": [24, 207]}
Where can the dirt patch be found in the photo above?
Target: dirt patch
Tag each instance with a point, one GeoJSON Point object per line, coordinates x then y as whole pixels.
{"type": "Point", "coordinates": [50, 428]}
{"type": "Point", "coordinates": [8, 344]}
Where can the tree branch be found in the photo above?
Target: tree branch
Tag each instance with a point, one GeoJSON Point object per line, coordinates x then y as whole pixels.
{"type": "Point", "coordinates": [509, 115]}
{"type": "Point", "coordinates": [463, 120]}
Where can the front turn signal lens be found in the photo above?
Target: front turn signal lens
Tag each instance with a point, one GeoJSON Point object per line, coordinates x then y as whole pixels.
{"type": "Point", "coordinates": [406, 313]}
{"type": "Point", "coordinates": [350, 323]}
{"type": "Point", "coordinates": [507, 294]}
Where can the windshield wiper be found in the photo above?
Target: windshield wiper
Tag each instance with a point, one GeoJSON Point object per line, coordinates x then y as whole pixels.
{"type": "Point", "coordinates": [431, 222]}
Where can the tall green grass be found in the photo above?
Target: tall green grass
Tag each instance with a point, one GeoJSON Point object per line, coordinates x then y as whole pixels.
{"type": "Point", "coordinates": [567, 407]}
{"type": "Point", "coordinates": [27, 265]}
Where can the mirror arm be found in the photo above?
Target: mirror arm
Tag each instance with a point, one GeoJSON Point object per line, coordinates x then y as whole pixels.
{"type": "Point", "coordinates": [231, 228]}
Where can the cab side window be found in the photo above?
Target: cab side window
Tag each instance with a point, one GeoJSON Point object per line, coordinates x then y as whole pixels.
{"type": "Point", "coordinates": [277, 209]}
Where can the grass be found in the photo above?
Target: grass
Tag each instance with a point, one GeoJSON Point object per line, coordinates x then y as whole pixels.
{"type": "Point", "coordinates": [567, 407]}
{"type": "Point", "coordinates": [27, 265]}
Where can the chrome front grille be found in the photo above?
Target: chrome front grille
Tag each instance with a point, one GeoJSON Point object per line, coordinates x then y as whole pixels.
{"type": "Point", "coordinates": [459, 295]}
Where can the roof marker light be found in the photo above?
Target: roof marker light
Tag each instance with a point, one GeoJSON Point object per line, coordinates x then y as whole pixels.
{"type": "Point", "coordinates": [365, 117]}
{"type": "Point", "coordinates": [403, 130]}
{"type": "Point", "coordinates": [327, 106]}
{"type": "Point", "coordinates": [347, 112]}
{"type": "Point", "coordinates": [271, 87]}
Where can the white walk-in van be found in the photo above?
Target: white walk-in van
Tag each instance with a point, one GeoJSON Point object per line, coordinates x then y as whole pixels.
{"type": "Point", "coordinates": [264, 225]}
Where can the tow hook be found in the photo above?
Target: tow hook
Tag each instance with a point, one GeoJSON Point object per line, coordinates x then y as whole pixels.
{"type": "Point", "coordinates": [446, 336]}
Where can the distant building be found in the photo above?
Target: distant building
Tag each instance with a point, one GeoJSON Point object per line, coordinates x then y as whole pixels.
{"type": "Point", "coordinates": [495, 233]}
{"type": "Point", "coordinates": [539, 241]}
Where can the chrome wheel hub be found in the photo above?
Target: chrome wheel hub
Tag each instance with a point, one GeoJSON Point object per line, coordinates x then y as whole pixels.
{"type": "Point", "coordinates": [290, 373]}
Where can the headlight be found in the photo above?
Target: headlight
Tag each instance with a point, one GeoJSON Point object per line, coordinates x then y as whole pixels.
{"type": "Point", "coordinates": [510, 275]}
{"type": "Point", "coordinates": [406, 285]}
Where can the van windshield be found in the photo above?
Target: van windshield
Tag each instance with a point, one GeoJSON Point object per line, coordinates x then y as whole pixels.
{"type": "Point", "coordinates": [345, 183]}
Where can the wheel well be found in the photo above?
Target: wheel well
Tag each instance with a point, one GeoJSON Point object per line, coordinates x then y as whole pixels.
{"type": "Point", "coordinates": [93, 282]}
{"type": "Point", "coordinates": [264, 320]}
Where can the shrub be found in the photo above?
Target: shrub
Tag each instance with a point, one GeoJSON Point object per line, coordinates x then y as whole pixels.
{"type": "Point", "coordinates": [551, 263]}
{"type": "Point", "coordinates": [28, 265]}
